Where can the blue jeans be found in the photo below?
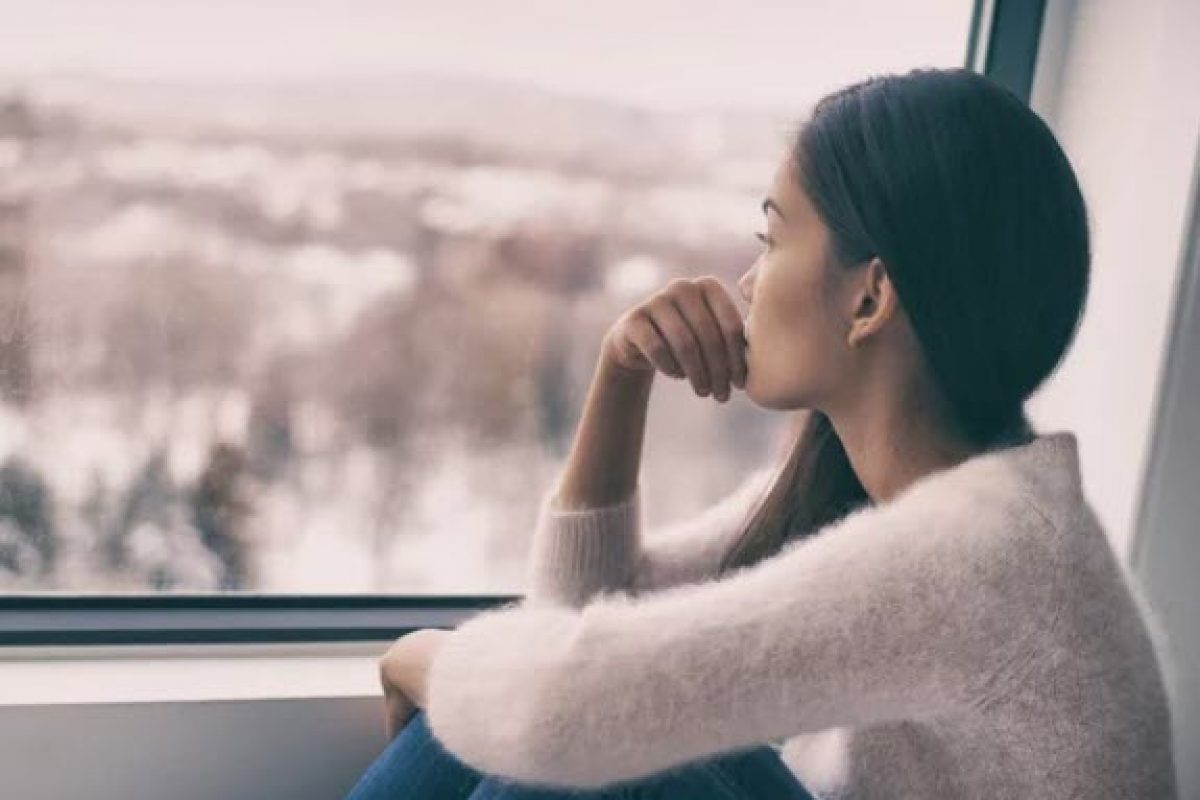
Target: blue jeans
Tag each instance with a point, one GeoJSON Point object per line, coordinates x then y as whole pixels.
{"type": "Point", "coordinates": [415, 766]}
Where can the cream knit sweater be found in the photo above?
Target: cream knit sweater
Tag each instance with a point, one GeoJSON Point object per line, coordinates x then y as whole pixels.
{"type": "Point", "coordinates": [972, 637]}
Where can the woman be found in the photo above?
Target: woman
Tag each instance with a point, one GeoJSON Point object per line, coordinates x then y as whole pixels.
{"type": "Point", "coordinates": [923, 605]}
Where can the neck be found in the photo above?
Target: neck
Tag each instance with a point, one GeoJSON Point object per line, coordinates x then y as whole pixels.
{"type": "Point", "coordinates": [891, 447]}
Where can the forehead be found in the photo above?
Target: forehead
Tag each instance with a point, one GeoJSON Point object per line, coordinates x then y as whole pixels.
{"type": "Point", "coordinates": [786, 192]}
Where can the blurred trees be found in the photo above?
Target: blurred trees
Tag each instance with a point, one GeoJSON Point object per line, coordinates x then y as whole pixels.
{"type": "Point", "coordinates": [176, 324]}
{"type": "Point", "coordinates": [27, 537]}
{"type": "Point", "coordinates": [172, 291]}
{"type": "Point", "coordinates": [220, 505]}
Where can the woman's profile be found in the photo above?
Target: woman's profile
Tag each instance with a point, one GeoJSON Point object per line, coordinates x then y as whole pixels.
{"type": "Point", "coordinates": [916, 601]}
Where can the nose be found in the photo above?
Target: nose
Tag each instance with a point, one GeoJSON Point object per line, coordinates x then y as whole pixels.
{"type": "Point", "coordinates": [744, 284]}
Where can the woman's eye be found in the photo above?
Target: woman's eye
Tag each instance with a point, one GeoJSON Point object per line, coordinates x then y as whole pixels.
{"type": "Point", "coordinates": [762, 237]}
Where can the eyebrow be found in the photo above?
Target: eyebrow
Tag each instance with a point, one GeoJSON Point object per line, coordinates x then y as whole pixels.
{"type": "Point", "coordinates": [769, 203]}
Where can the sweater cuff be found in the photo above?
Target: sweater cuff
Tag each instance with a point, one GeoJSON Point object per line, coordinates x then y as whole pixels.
{"type": "Point", "coordinates": [579, 552]}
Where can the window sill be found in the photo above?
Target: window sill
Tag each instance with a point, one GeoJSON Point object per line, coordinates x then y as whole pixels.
{"type": "Point", "coordinates": [187, 673]}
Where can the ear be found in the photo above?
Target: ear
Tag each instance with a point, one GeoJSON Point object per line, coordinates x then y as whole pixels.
{"type": "Point", "coordinates": [875, 301]}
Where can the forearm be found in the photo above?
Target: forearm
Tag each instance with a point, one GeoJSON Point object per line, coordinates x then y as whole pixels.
{"type": "Point", "coordinates": [603, 465]}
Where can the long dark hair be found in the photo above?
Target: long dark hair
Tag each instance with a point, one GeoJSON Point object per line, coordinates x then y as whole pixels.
{"type": "Point", "coordinates": [965, 195]}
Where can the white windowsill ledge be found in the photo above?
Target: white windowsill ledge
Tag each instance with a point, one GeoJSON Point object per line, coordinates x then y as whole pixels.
{"type": "Point", "coordinates": [187, 673]}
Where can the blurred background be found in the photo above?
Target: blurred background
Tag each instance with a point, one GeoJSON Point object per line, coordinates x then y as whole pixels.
{"type": "Point", "coordinates": [306, 298]}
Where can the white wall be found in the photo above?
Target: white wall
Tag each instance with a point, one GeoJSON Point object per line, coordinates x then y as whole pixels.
{"type": "Point", "coordinates": [1119, 82]}
{"type": "Point", "coordinates": [1166, 555]}
{"type": "Point", "coordinates": [293, 749]}
{"type": "Point", "coordinates": [177, 722]}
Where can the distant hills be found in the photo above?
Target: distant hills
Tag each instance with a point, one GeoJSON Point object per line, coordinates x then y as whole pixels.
{"type": "Point", "coordinates": [517, 119]}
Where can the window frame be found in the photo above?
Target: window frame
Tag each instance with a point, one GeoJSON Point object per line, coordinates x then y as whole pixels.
{"type": "Point", "coordinates": [1002, 43]}
{"type": "Point", "coordinates": [99, 619]}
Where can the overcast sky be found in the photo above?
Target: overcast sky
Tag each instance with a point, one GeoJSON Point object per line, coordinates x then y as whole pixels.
{"type": "Point", "coordinates": [659, 52]}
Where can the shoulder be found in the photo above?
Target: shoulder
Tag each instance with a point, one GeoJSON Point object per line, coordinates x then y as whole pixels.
{"type": "Point", "coordinates": [984, 504]}
{"type": "Point", "coordinates": [975, 538]}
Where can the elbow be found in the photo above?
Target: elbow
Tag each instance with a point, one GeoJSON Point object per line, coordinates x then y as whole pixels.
{"type": "Point", "coordinates": [545, 749]}
{"type": "Point", "coordinates": [499, 746]}
{"type": "Point", "coordinates": [519, 743]}
{"type": "Point", "coordinates": [556, 749]}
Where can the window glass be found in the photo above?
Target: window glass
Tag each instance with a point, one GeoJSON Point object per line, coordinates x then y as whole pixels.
{"type": "Point", "coordinates": [305, 297]}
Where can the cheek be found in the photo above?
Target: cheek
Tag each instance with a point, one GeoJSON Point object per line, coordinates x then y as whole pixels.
{"type": "Point", "coordinates": [798, 335]}
{"type": "Point", "coordinates": [799, 314]}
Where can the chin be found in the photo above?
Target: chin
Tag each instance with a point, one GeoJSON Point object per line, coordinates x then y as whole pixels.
{"type": "Point", "coordinates": [762, 399]}
{"type": "Point", "coordinates": [773, 402]}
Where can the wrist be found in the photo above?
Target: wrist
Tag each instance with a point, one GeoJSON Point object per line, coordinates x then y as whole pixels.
{"type": "Point", "coordinates": [617, 363]}
{"type": "Point", "coordinates": [612, 370]}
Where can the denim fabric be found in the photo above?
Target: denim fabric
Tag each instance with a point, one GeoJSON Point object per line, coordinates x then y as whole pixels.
{"type": "Point", "coordinates": [415, 766]}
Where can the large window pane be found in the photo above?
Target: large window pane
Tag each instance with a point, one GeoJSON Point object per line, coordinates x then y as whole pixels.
{"type": "Point", "coordinates": [306, 296]}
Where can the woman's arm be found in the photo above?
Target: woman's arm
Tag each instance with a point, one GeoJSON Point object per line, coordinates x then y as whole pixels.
{"type": "Point", "coordinates": [577, 554]}
{"type": "Point", "coordinates": [602, 469]}
{"type": "Point", "coordinates": [587, 534]}
{"type": "Point", "coordinates": [587, 528]}
{"type": "Point", "coordinates": [897, 612]}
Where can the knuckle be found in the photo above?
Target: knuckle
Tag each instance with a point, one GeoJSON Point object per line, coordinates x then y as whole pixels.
{"type": "Point", "coordinates": [657, 304]}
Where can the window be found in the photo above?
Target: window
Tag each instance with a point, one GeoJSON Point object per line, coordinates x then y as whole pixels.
{"type": "Point", "coordinates": [304, 299]}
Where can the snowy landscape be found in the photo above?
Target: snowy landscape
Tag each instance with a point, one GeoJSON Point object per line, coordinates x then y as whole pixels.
{"type": "Point", "coordinates": [269, 338]}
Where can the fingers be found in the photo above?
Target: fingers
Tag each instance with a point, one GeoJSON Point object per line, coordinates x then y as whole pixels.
{"type": "Point", "coordinates": [398, 709]}
{"type": "Point", "coordinates": [692, 329]}
{"type": "Point", "coordinates": [647, 337]}
{"type": "Point", "coordinates": [714, 353]}
{"type": "Point", "coordinates": [696, 335]}
{"type": "Point", "coordinates": [629, 341]}
{"type": "Point", "coordinates": [729, 321]}
{"type": "Point", "coordinates": [719, 326]}
{"type": "Point", "coordinates": [389, 720]}
{"type": "Point", "coordinates": [670, 317]}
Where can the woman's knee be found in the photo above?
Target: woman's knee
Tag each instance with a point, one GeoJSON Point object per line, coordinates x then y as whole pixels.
{"type": "Point", "coordinates": [414, 764]}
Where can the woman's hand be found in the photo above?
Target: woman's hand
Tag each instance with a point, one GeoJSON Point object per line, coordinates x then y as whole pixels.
{"type": "Point", "coordinates": [397, 710]}
{"type": "Point", "coordinates": [403, 673]}
{"type": "Point", "coordinates": [690, 328]}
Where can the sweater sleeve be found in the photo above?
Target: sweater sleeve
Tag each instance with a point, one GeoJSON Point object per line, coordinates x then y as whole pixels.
{"type": "Point", "coordinates": [883, 615]}
{"type": "Point", "coordinates": [690, 551]}
{"type": "Point", "coordinates": [579, 553]}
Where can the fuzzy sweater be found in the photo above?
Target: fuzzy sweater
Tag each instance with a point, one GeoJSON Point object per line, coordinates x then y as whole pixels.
{"type": "Point", "coordinates": [972, 637]}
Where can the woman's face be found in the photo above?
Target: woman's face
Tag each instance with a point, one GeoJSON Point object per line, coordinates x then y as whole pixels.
{"type": "Point", "coordinates": [796, 328]}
